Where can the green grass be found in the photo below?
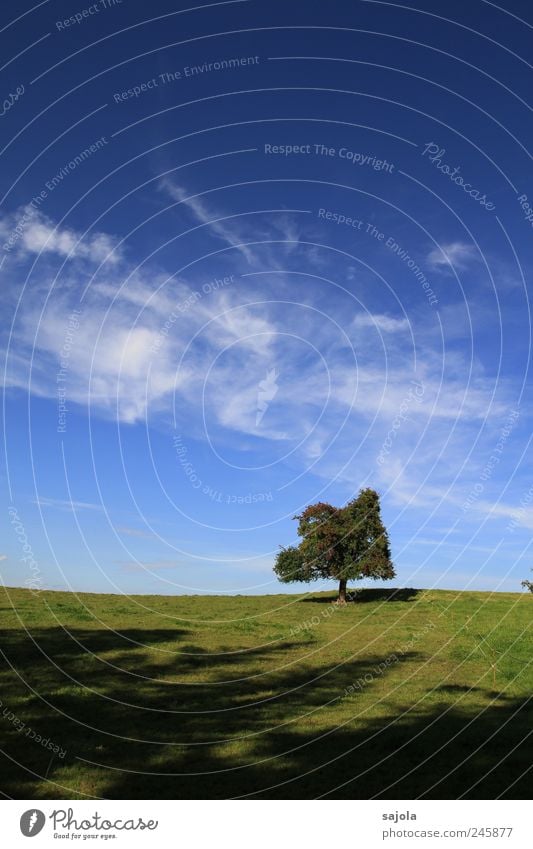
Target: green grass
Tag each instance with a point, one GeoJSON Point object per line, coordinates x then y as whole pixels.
{"type": "Point", "coordinates": [220, 697]}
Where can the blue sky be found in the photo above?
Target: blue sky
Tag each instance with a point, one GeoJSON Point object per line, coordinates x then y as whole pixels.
{"type": "Point", "coordinates": [255, 256]}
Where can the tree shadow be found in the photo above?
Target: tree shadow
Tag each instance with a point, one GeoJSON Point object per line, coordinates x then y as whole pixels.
{"type": "Point", "coordinates": [359, 596]}
{"type": "Point", "coordinates": [190, 724]}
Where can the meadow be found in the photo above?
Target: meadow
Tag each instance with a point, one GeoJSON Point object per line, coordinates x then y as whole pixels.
{"type": "Point", "coordinates": [398, 695]}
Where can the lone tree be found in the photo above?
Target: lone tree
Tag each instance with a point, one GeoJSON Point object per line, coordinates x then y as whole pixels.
{"type": "Point", "coordinates": [340, 543]}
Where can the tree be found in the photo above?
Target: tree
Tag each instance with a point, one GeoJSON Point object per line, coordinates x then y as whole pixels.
{"type": "Point", "coordinates": [528, 585]}
{"type": "Point", "coordinates": [339, 543]}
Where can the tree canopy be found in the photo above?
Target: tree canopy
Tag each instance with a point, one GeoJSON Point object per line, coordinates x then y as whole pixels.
{"type": "Point", "coordinates": [339, 543]}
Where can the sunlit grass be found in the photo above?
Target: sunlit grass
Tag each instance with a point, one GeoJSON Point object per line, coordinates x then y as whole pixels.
{"type": "Point", "coordinates": [271, 696]}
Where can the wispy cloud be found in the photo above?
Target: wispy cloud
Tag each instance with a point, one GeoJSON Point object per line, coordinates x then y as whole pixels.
{"type": "Point", "coordinates": [110, 358]}
{"type": "Point", "coordinates": [523, 516]}
{"type": "Point", "coordinates": [133, 532]}
{"type": "Point", "coordinates": [380, 322]}
{"type": "Point", "coordinates": [331, 410]}
{"type": "Point", "coordinates": [457, 255]}
{"type": "Point", "coordinates": [229, 233]}
{"type": "Point", "coordinates": [68, 506]}
{"type": "Point", "coordinates": [29, 231]}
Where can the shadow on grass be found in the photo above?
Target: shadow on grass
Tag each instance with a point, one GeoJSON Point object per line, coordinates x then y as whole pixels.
{"type": "Point", "coordinates": [363, 595]}
{"type": "Point", "coordinates": [262, 730]}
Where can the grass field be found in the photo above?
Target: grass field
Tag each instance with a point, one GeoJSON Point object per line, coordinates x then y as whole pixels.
{"type": "Point", "coordinates": [424, 694]}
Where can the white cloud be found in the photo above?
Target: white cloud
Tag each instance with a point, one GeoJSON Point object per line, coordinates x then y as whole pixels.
{"type": "Point", "coordinates": [382, 323]}
{"type": "Point", "coordinates": [128, 339]}
{"type": "Point", "coordinates": [3, 556]}
{"type": "Point", "coordinates": [238, 324]}
{"type": "Point", "coordinates": [37, 234]}
{"type": "Point", "coordinates": [110, 363]}
{"type": "Point", "coordinates": [521, 515]}
{"type": "Point", "coordinates": [125, 364]}
{"type": "Point", "coordinates": [452, 255]}
{"type": "Point", "coordinates": [68, 506]}
{"type": "Point", "coordinates": [229, 233]}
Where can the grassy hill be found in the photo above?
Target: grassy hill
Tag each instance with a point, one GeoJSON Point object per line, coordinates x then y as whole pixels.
{"type": "Point", "coordinates": [424, 694]}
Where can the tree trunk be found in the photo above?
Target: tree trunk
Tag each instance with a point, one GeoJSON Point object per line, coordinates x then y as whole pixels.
{"type": "Point", "coordinates": [342, 591]}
